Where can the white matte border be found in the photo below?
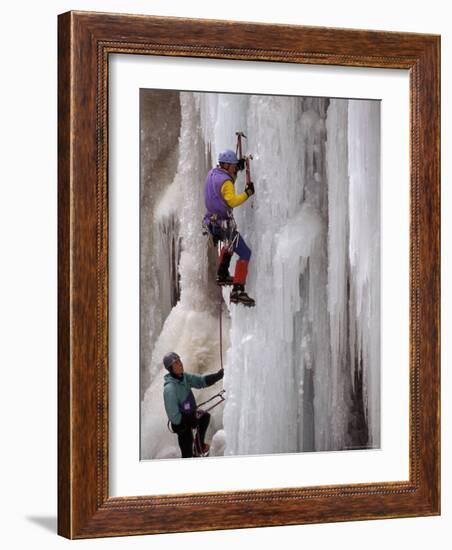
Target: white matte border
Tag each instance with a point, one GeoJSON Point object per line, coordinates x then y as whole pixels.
{"type": "Point", "coordinates": [129, 476]}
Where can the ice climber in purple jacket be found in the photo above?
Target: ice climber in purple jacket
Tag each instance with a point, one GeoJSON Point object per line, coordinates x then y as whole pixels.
{"type": "Point", "coordinates": [220, 199]}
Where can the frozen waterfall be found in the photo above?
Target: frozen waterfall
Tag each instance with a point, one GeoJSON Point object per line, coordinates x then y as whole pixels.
{"type": "Point", "coordinates": [302, 368]}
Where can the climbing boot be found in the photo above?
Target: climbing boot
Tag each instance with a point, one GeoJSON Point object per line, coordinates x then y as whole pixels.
{"type": "Point", "coordinates": [202, 450]}
{"type": "Point", "coordinates": [239, 296]}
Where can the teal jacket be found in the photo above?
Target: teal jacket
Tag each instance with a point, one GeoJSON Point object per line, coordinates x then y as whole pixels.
{"type": "Point", "coordinates": [178, 396]}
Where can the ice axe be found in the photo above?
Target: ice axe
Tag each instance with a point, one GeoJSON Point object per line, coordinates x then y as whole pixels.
{"type": "Point", "coordinates": [238, 149]}
{"type": "Point", "coordinates": [246, 158]}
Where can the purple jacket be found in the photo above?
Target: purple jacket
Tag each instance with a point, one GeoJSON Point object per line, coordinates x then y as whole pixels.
{"type": "Point", "coordinates": [215, 204]}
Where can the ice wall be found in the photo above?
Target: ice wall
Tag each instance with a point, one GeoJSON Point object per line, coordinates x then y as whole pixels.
{"type": "Point", "coordinates": [278, 398]}
{"type": "Point", "coordinates": [191, 326]}
{"type": "Point", "coordinates": [364, 253]}
{"type": "Point", "coordinates": [302, 367]}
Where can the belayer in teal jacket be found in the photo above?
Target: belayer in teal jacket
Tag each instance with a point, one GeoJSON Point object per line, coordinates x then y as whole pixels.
{"type": "Point", "coordinates": [180, 403]}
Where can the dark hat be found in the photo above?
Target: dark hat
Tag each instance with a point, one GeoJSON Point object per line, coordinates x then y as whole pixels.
{"type": "Point", "coordinates": [169, 359]}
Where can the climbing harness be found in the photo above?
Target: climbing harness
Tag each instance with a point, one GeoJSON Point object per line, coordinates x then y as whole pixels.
{"type": "Point", "coordinates": [231, 234]}
{"type": "Point", "coordinates": [227, 232]}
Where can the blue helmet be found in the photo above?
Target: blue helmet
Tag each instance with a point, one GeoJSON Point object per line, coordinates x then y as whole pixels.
{"type": "Point", "coordinates": [169, 359]}
{"type": "Point", "coordinates": [228, 156]}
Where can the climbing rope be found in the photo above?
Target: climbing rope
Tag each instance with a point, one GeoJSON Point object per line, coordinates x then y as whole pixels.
{"type": "Point", "coordinates": [221, 322]}
{"type": "Point", "coordinates": [221, 329]}
{"type": "Point", "coordinates": [230, 243]}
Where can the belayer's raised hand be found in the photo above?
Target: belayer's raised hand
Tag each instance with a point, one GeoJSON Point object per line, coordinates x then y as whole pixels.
{"type": "Point", "coordinates": [241, 165]}
{"type": "Point", "coordinates": [249, 188]}
{"type": "Point", "coordinates": [213, 378]}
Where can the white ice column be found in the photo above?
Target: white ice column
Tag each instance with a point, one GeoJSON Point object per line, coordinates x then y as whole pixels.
{"type": "Point", "coordinates": [278, 375]}
{"type": "Point", "coordinates": [364, 205]}
{"type": "Point", "coordinates": [261, 411]}
{"type": "Point", "coordinates": [315, 363]}
{"type": "Point", "coordinates": [338, 267]}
